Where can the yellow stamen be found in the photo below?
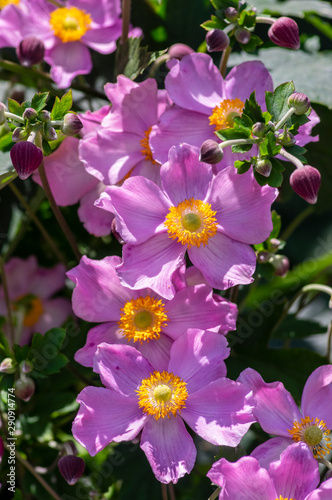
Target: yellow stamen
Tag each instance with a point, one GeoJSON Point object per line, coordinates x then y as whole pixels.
{"type": "Point", "coordinates": [192, 222]}
{"type": "Point", "coordinates": [143, 319]}
{"type": "Point", "coordinates": [162, 394]}
{"type": "Point", "coordinates": [3, 3]}
{"type": "Point", "coordinates": [70, 24]}
{"type": "Point", "coordinates": [282, 498]}
{"type": "Point", "coordinates": [146, 151]}
{"type": "Point", "coordinates": [224, 114]}
{"type": "Point", "coordinates": [314, 434]}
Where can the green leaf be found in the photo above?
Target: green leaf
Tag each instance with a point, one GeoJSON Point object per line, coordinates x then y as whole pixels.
{"type": "Point", "coordinates": [297, 328]}
{"type": "Point", "coordinates": [39, 101]}
{"type": "Point", "coordinates": [21, 352]}
{"type": "Point", "coordinates": [321, 25]}
{"type": "Point", "coordinates": [253, 109]}
{"type": "Point", "coordinates": [276, 103]}
{"type": "Point", "coordinates": [6, 141]}
{"type": "Point", "coordinates": [15, 107]}
{"type": "Point", "coordinates": [214, 23]}
{"type": "Point", "coordinates": [62, 106]}
{"type": "Point", "coordinates": [242, 166]}
{"type": "Point", "coordinates": [244, 124]}
{"type": "Point", "coordinates": [241, 148]}
{"type": "Point", "coordinates": [253, 43]}
{"type": "Point", "coordinates": [276, 221]}
{"type": "Point", "coordinates": [18, 495]}
{"type": "Point", "coordinates": [227, 134]}
{"type": "Point", "coordinates": [223, 4]}
{"type": "Point", "coordinates": [47, 150]}
{"type": "Point", "coordinates": [132, 59]}
{"type": "Point", "coordinates": [269, 147]}
{"type": "Point", "coordinates": [262, 181]}
{"type": "Point", "coordinates": [44, 352]}
{"type": "Point", "coordinates": [7, 178]}
{"type": "Point", "coordinates": [297, 151]}
{"type": "Point", "coordinates": [294, 7]}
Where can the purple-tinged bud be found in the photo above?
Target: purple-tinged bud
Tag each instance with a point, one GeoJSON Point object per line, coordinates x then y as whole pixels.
{"type": "Point", "coordinates": [274, 243]}
{"type": "Point", "coordinates": [6, 366]}
{"type": "Point", "coordinates": [115, 233]}
{"type": "Point", "coordinates": [3, 109]}
{"type": "Point", "coordinates": [286, 140]}
{"type": "Point", "coordinates": [263, 256]}
{"type": "Point", "coordinates": [300, 102]}
{"type": "Point", "coordinates": [71, 124]}
{"type": "Point", "coordinates": [49, 132]}
{"type": "Point", "coordinates": [44, 116]}
{"type": "Point", "coordinates": [30, 51]}
{"type": "Point", "coordinates": [26, 158]}
{"type": "Point", "coordinates": [258, 129]}
{"type": "Point", "coordinates": [285, 33]}
{"type": "Point", "coordinates": [280, 264]}
{"type": "Point", "coordinates": [242, 36]}
{"type": "Point", "coordinates": [26, 366]}
{"type": "Point", "coordinates": [263, 167]}
{"type": "Point", "coordinates": [71, 468]}
{"type": "Point", "coordinates": [216, 40]}
{"type": "Point", "coordinates": [19, 134]}
{"type": "Point", "coordinates": [179, 50]}
{"type": "Point", "coordinates": [210, 152]}
{"type": "Point", "coordinates": [29, 114]}
{"type": "Point", "coordinates": [305, 181]}
{"type": "Point", "coordinates": [231, 14]}
{"type": "Point", "coordinates": [25, 388]}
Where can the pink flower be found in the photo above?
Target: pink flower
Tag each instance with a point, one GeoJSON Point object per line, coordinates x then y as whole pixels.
{"type": "Point", "coordinates": [277, 413]}
{"type": "Point", "coordinates": [141, 318]}
{"type": "Point", "coordinates": [214, 218]}
{"type": "Point", "coordinates": [30, 291]}
{"type": "Point", "coordinates": [120, 147]}
{"type": "Point", "coordinates": [139, 398]}
{"type": "Point", "coordinates": [294, 476]}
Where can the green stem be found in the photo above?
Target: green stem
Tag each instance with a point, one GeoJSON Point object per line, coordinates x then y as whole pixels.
{"type": "Point", "coordinates": [40, 226]}
{"type": "Point", "coordinates": [320, 288]}
{"type": "Point", "coordinates": [126, 6]}
{"type": "Point", "coordinates": [224, 60]}
{"type": "Point", "coordinates": [57, 212]}
{"type": "Point", "coordinates": [235, 142]}
{"type": "Point", "coordinates": [296, 222]}
{"type": "Point", "coordinates": [7, 300]}
{"type": "Point", "coordinates": [16, 118]}
{"type": "Point", "coordinates": [285, 118]}
{"type": "Point", "coordinates": [291, 158]}
{"type": "Point", "coordinates": [214, 494]}
{"type": "Point", "coordinates": [265, 20]}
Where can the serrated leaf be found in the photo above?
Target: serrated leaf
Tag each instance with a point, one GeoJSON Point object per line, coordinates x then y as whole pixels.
{"type": "Point", "coordinates": [253, 109]}
{"type": "Point", "coordinates": [247, 19]}
{"type": "Point", "coordinates": [223, 4]}
{"type": "Point", "coordinates": [243, 123]}
{"type": "Point", "coordinates": [275, 178]}
{"type": "Point", "coordinates": [15, 107]}
{"type": "Point", "coordinates": [269, 147]}
{"type": "Point", "coordinates": [297, 328]}
{"type": "Point", "coordinates": [241, 148]}
{"type": "Point", "coordinates": [276, 102]}
{"type": "Point", "coordinates": [213, 23]}
{"type": "Point", "coordinates": [227, 134]}
{"type": "Point", "coordinates": [253, 43]}
{"type": "Point", "coordinates": [297, 151]}
{"type": "Point", "coordinates": [132, 59]}
{"type": "Point", "coordinates": [262, 181]}
{"type": "Point", "coordinates": [6, 141]}
{"type": "Point", "coordinates": [39, 101]}
{"type": "Point", "coordinates": [242, 166]}
{"type": "Point", "coordinates": [21, 352]}
{"type": "Point", "coordinates": [62, 106]}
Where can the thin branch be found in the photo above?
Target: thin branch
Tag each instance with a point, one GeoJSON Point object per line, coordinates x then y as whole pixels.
{"type": "Point", "coordinates": [126, 7]}
{"type": "Point", "coordinates": [164, 492]}
{"type": "Point", "coordinates": [224, 60]}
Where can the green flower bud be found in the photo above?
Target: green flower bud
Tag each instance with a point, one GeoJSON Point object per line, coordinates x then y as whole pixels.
{"type": "Point", "coordinates": [264, 167]}
{"type": "Point", "coordinates": [300, 102]}
{"type": "Point", "coordinates": [258, 129]}
{"type": "Point", "coordinates": [210, 152]}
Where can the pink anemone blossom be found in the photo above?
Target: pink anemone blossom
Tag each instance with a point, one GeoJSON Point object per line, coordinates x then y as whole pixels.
{"type": "Point", "coordinates": [120, 147]}
{"type": "Point", "coordinates": [141, 318]}
{"type": "Point", "coordinates": [194, 390]}
{"type": "Point", "coordinates": [295, 477]}
{"type": "Point", "coordinates": [278, 414]}
{"type": "Point", "coordinates": [214, 218]}
{"type": "Point", "coordinates": [31, 289]}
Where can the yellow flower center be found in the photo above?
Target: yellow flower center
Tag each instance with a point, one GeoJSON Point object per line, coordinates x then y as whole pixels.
{"type": "Point", "coordinates": [70, 24]}
{"type": "Point", "coordinates": [224, 114]}
{"type": "Point", "coordinates": [142, 319]}
{"type": "Point", "coordinates": [146, 151]}
{"type": "Point", "coordinates": [3, 3]}
{"type": "Point", "coordinates": [192, 222]}
{"type": "Point", "coordinates": [282, 498]}
{"type": "Point", "coordinates": [314, 434]}
{"type": "Point", "coordinates": [33, 309]}
{"type": "Point", "coordinates": [162, 394]}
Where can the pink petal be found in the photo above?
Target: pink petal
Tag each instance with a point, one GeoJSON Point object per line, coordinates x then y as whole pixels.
{"type": "Point", "coordinates": [15, 269]}
{"type": "Point", "coordinates": [243, 79]}
{"type": "Point", "coordinates": [47, 281]}
{"type": "Point", "coordinates": [156, 351]}
{"type": "Point", "coordinates": [102, 12]}
{"type": "Point", "coordinates": [324, 492]}
{"type": "Point", "coordinates": [55, 313]}
{"type": "Point", "coordinates": [105, 416]}
{"type": "Point", "coordinates": [68, 60]}
{"type": "Point", "coordinates": [169, 448]}
{"type": "Point", "coordinates": [271, 450]}
{"type": "Point", "coordinates": [106, 332]}
{"type": "Point", "coordinates": [91, 119]}
{"type": "Point", "coordinates": [103, 40]}
{"type": "Point", "coordinates": [317, 395]}
{"type": "Point", "coordinates": [224, 262]}
{"type": "Point", "coordinates": [97, 222]}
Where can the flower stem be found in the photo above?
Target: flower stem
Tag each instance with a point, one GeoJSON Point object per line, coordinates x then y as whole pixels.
{"type": "Point", "coordinates": [16, 118]}
{"type": "Point", "coordinates": [214, 494]}
{"type": "Point", "coordinates": [319, 288]}
{"type": "Point", "coordinates": [291, 158]}
{"type": "Point", "coordinates": [235, 142]}
{"type": "Point", "coordinates": [57, 212]}
{"type": "Point", "coordinates": [164, 492]}
{"type": "Point", "coordinates": [171, 491]}
{"type": "Point", "coordinates": [224, 60]}
{"type": "Point", "coordinates": [7, 300]}
{"type": "Point", "coordinates": [285, 118]}
{"type": "Point", "coordinates": [265, 20]}
{"type": "Point", "coordinates": [126, 6]}
{"type": "Point", "coordinates": [40, 226]}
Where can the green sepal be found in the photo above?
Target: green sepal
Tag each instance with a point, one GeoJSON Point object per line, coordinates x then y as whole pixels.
{"type": "Point", "coordinates": [39, 101]}
{"type": "Point", "coordinates": [243, 123]}
{"type": "Point", "coordinates": [276, 102]}
{"type": "Point", "coordinates": [214, 23]}
{"type": "Point", "coordinates": [223, 4]}
{"type": "Point", "coordinates": [62, 106]}
{"type": "Point", "coordinates": [242, 166]}
{"type": "Point", "coordinates": [247, 19]}
{"type": "Point", "coordinates": [45, 354]}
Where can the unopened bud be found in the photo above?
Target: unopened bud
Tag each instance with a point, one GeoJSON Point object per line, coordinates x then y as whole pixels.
{"type": "Point", "coordinates": [280, 264]}
{"type": "Point", "coordinates": [305, 181]}
{"type": "Point", "coordinates": [7, 366]}
{"type": "Point", "coordinates": [29, 114]}
{"type": "Point", "coordinates": [285, 33]}
{"type": "Point", "coordinates": [286, 139]}
{"type": "Point", "coordinates": [300, 102]}
{"type": "Point", "coordinates": [210, 152]}
{"type": "Point", "coordinates": [264, 167]}
{"type": "Point", "coordinates": [216, 40]}
{"type": "Point", "coordinates": [25, 388]}
{"type": "Point", "coordinates": [71, 124]}
{"type": "Point", "coordinates": [49, 132]}
{"type": "Point", "coordinates": [26, 366]}
{"type": "Point", "coordinates": [19, 134]}
{"type": "Point", "coordinates": [179, 50]}
{"type": "Point", "coordinates": [30, 51]}
{"type": "Point", "coordinates": [3, 109]}
{"type": "Point", "coordinates": [263, 256]}
{"type": "Point", "coordinates": [258, 129]}
{"type": "Point", "coordinates": [231, 14]}
{"type": "Point", "coordinates": [242, 36]}
{"type": "Point", "coordinates": [26, 158]}
{"type": "Point", "coordinates": [71, 468]}
{"type": "Point", "coordinates": [274, 243]}
{"type": "Point", "coordinates": [44, 116]}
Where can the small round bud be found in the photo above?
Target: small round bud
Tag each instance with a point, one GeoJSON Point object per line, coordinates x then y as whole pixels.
{"type": "Point", "coordinates": [263, 256]}
{"type": "Point", "coordinates": [44, 116]}
{"type": "Point", "coordinates": [300, 102]}
{"type": "Point", "coordinates": [30, 51]}
{"type": "Point", "coordinates": [305, 181]}
{"type": "Point", "coordinates": [286, 140]}
{"type": "Point", "coordinates": [26, 158]}
{"type": "Point", "coordinates": [285, 33]}
{"type": "Point", "coordinates": [179, 50]}
{"type": "Point", "coordinates": [258, 129]}
{"type": "Point", "coordinates": [25, 388]}
{"type": "Point", "coordinates": [7, 366]}
{"type": "Point", "coordinates": [19, 134]}
{"type": "Point", "coordinates": [210, 152]}
{"type": "Point", "coordinates": [242, 36]}
{"type": "Point", "coordinates": [71, 468]}
{"type": "Point", "coordinates": [26, 366]}
{"type": "Point", "coordinates": [231, 14]}
{"type": "Point", "coordinates": [3, 109]}
{"type": "Point", "coordinates": [280, 264]}
{"type": "Point", "coordinates": [71, 124]}
{"type": "Point", "coordinates": [49, 132]}
{"type": "Point", "coordinates": [274, 243]}
{"type": "Point", "coordinates": [30, 114]}
{"type": "Point", "coordinates": [216, 40]}
{"type": "Point", "coordinates": [263, 167]}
